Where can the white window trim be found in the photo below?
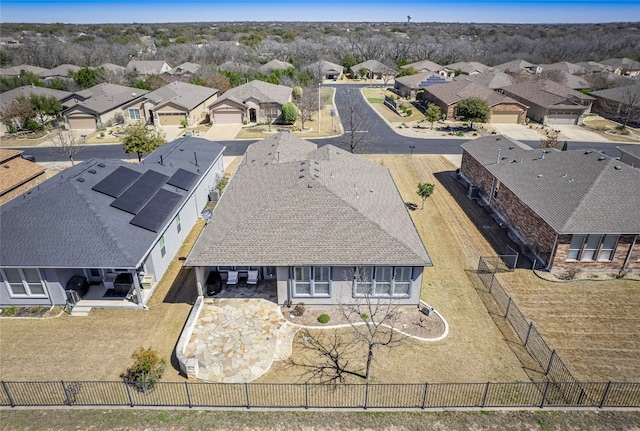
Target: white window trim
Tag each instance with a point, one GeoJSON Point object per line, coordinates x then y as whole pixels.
{"type": "Point", "coordinates": [178, 223]}
{"type": "Point", "coordinates": [163, 247]}
{"type": "Point", "coordinates": [372, 293]}
{"type": "Point", "coordinates": [133, 110]}
{"type": "Point", "coordinates": [28, 293]}
{"type": "Point", "coordinates": [312, 293]}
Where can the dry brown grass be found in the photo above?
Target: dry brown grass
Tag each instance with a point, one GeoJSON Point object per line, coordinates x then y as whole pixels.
{"type": "Point", "coordinates": [594, 325]}
{"type": "Point", "coordinates": [386, 112]}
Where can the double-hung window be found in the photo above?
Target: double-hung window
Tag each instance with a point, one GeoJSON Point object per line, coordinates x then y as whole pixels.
{"type": "Point", "coordinates": [383, 281]}
{"type": "Point", "coordinates": [23, 282]}
{"type": "Point", "coordinates": [178, 224]}
{"type": "Point", "coordinates": [313, 281]}
{"type": "Point", "coordinates": [163, 247]}
{"type": "Point", "coordinates": [134, 114]}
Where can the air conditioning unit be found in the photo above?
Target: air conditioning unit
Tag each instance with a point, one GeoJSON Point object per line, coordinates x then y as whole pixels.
{"type": "Point", "coordinates": [147, 281]}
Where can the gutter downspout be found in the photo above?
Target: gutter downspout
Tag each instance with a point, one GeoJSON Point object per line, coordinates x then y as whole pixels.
{"type": "Point", "coordinates": [553, 252]}
{"type": "Point", "coordinates": [626, 261]}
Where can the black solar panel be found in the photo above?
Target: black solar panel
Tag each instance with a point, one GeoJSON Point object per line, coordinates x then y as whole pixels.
{"type": "Point", "coordinates": [155, 213]}
{"type": "Point", "coordinates": [117, 182]}
{"type": "Point", "coordinates": [140, 192]}
{"type": "Point", "coordinates": [183, 179]}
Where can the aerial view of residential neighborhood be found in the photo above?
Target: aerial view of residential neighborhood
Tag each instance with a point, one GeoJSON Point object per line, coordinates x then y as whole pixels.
{"type": "Point", "coordinates": [320, 216]}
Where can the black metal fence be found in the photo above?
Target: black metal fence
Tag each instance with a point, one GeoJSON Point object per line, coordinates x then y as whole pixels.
{"type": "Point", "coordinates": [303, 396]}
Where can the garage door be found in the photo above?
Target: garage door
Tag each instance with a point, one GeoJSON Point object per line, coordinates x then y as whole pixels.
{"type": "Point", "coordinates": [505, 117]}
{"type": "Point", "coordinates": [170, 118]}
{"type": "Point", "coordinates": [227, 117]}
{"type": "Point", "coordinates": [562, 118]}
{"type": "Point", "coordinates": [82, 123]}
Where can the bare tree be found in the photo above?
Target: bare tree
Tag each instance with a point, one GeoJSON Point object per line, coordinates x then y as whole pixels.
{"type": "Point", "coordinates": [551, 140]}
{"type": "Point", "coordinates": [66, 143]}
{"type": "Point", "coordinates": [307, 104]}
{"type": "Point", "coordinates": [625, 108]}
{"type": "Point", "coordinates": [354, 123]}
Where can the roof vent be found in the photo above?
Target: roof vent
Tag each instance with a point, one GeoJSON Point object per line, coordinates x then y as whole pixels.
{"type": "Point", "coordinates": [588, 152]}
{"type": "Point", "coordinates": [310, 185]}
{"type": "Point", "coordinates": [601, 158]}
{"type": "Point", "coordinates": [540, 176]}
{"type": "Point", "coordinates": [80, 180]}
{"type": "Point", "coordinates": [617, 168]}
{"type": "Point", "coordinates": [511, 147]}
{"type": "Point", "coordinates": [6, 166]}
{"type": "Point", "coordinates": [102, 165]}
{"type": "Point", "coordinates": [92, 171]}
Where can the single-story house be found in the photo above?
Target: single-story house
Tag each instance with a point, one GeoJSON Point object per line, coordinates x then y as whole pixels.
{"type": "Point", "coordinates": [274, 65]}
{"type": "Point", "coordinates": [325, 70]}
{"type": "Point", "coordinates": [372, 69]}
{"type": "Point", "coordinates": [254, 102]}
{"type": "Point", "coordinates": [63, 71]}
{"type": "Point", "coordinates": [565, 66]}
{"type": "Point", "coordinates": [463, 67]}
{"type": "Point", "coordinates": [17, 174]}
{"type": "Point", "coordinates": [630, 154]}
{"type": "Point", "coordinates": [324, 225]}
{"type": "Point", "coordinates": [409, 85]}
{"type": "Point", "coordinates": [145, 68]}
{"type": "Point", "coordinates": [423, 66]}
{"type": "Point", "coordinates": [103, 232]}
{"type": "Point", "coordinates": [171, 104]}
{"type": "Point", "coordinates": [494, 78]}
{"type": "Point", "coordinates": [113, 68]}
{"type": "Point", "coordinates": [185, 70]}
{"type": "Point", "coordinates": [619, 103]}
{"type": "Point", "coordinates": [503, 108]}
{"type": "Point", "coordinates": [17, 70]}
{"type": "Point", "coordinates": [99, 104]}
{"type": "Point", "coordinates": [623, 66]}
{"type": "Point", "coordinates": [517, 66]}
{"type": "Point", "coordinates": [550, 102]}
{"type": "Point", "coordinates": [571, 209]}
{"type": "Point", "coordinates": [8, 97]}
{"type": "Point", "coordinates": [594, 67]}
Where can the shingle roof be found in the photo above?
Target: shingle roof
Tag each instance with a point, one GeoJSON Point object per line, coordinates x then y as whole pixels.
{"type": "Point", "coordinates": [546, 93]}
{"type": "Point", "coordinates": [626, 94]}
{"type": "Point", "coordinates": [467, 66]}
{"type": "Point", "coordinates": [15, 70]}
{"type": "Point", "coordinates": [187, 67]}
{"type": "Point", "coordinates": [290, 203]}
{"type": "Point", "coordinates": [623, 63]}
{"type": "Point", "coordinates": [64, 223]}
{"type": "Point", "coordinates": [274, 65]}
{"type": "Point", "coordinates": [575, 191]}
{"type": "Point", "coordinates": [62, 70]}
{"type": "Point", "coordinates": [260, 90]}
{"type": "Point", "coordinates": [105, 97]}
{"type": "Point", "coordinates": [325, 67]}
{"type": "Point", "coordinates": [233, 66]}
{"type": "Point", "coordinates": [514, 65]}
{"type": "Point", "coordinates": [14, 170]}
{"type": "Point", "coordinates": [115, 68]}
{"type": "Point", "coordinates": [9, 96]}
{"type": "Point", "coordinates": [593, 66]}
{"type": "Point", "coordinates": [373, 65]}
{"type": "Point", "coordinates": [565, 66]}
{"type": "Point", "coordinates": [413, 81]}
{"type": "Point", "coordinates": [491, 78]}
{"type": "Point", "coordinates": [182, 94]}
{"type": "Point", "coordinates": [423, 65]}
{"type": "Point", "coordinates": [146, 66]}
{"type": "Point", "coordinates": [453, 92]}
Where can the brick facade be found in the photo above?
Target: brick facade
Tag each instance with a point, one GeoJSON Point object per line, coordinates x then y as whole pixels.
{"type": "Point", "coordinates": [625, 242]}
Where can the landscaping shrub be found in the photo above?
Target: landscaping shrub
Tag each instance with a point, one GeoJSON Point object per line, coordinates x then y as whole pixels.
{"type": "Point", "coordinates": [365, 316]}
{"type": "Point", "coordinates": [10, 311]}
{"type": "Point", "coordinates": [459, 133]}
{"type": "Point", "coordinates": [324, 318]}
{"type": "Point", "coordinates": [148, 367]}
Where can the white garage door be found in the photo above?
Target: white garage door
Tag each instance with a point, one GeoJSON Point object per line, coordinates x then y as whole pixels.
{"type": "Point", "coordinates": [562, 118]}
{"type": "Point", "coordinates": [83, 122]}
{"type": "Point", "coordinates": [505, 117]}
{"type": "Point", "coordinates": [170, 118]}
{"type": "Point", "coordinates": [227, 117]}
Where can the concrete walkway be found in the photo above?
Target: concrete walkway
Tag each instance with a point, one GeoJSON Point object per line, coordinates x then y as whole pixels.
{"type": "Point", "coordinates": [237, 340]}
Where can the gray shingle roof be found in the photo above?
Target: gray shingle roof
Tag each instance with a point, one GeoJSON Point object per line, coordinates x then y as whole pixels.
{"type": "Point", "coordinates": [274, 65]}
{"type": "Point", "coordinates": [182, 94]}
{"type": "Point", "coordinates": [290, 203]}
{"type": "Point", "coordinates": [575, 191]}
{"type": "Point", "coordinates": [373, 65]}
{"type": "Point", "coordinates": [262, 91]}
{"type": "Point", "coordinates": [423, 65]}
{"type": "Point", "coordinates": [491, 78]}
{"type": "Point", "coordinates": [467, 66]}
{"type": "Point", "coordinates": [626, 94]}
{"type": "Point", "coordinates": [62, 70]}
{"type": "Point", "coordinates": [104, 97]}
{"type": "Point", "coordinates": [413, 81]}
{"type": "Point", "coordinates": [546, 93]}
{"type": "Point", "coordinates": [325, 67]}
{"type": "Point", "coordinates": [623, 63]}
{"type": "Point", "coordinates": [565, 66]}
{"type": "Point", "coordinates": [9, 96]}
{"type": "Point", "coordinates": [453, 92]}
{"type": "Point", "coordinates": [146, 66]}
{"type": "Point", "coordinates": [514, 65]}
{"type": "Point", "coordinates": [64, 223]}
{"type": "Point", "coordinates": [15, 70]}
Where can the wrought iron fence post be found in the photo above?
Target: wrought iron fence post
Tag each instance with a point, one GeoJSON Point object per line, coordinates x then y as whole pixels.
{"type": "Point", "coordinates": [486, 392]}
{"type": "Point", "coordinates": [553, 355]}
{"type": "Point", "coordinates": [604, 396]}
{"type": "Point", "coordinates": [126, 386]}
{"type": "Point", "coordinates": [66, 393]}
{"type": "Point", "coordinates": [526, 340]}
{"type": "Point", "coordinates": [506, 313]}
{"type": "Point", "coordinates": [246, 392]}
{"type": "Point", "coordinates": [306, 395]}
{"type": "Point", "coordinates": [544, 394]}
{"type": "Point", "coordinates": [186, 388]}
{"type": "Point", "coordinates": [366, 395]}
{"type": "Point", "coordinates": [424, 396]}
{"type": "Point", "coordinates": [6, 391]}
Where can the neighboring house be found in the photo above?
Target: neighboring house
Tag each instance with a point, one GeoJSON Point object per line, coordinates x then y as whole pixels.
{"type": "Point", "coordinates": [463, 67]}
{"type": "Point", "coordinates": [254, 102]}
{"type": "Point", "coordinates": [423, 66]}
{"type": "Point", "coordinates": [503, 108]}
{"type": "Point", "coordinates": [408, 86]}
{"type": "Point", "coordinates": [171, 104]}
{"type": "Point", "coordinates": [310, 219]}
{"type": "Point", "coordinates": [98, 105]}
{"type": "Point", "coordinates": [325, 70]}
{"type": "Point", "coordinates": [550, 102]}
{"type": "Point", "coordinates": [113, 68]}
{"type": "Point", "coordinates": [185, 70]}
{"type": "Point", "coordinates": [66, 98]}
{"type": "Point", "coordinates": [630, 154]}
{"type": "Point", "coordinates": [17, 175]}
{"type": "Point", "coordinates": [274, 65]}
{"type": "Point", "coordinates": [9, 41]}
{"type": "Point", "coordinates": [493, 79]}
{"type": "Point", "coordinates": [574, 82]}
{"type": "Point", "coordinates": [16, 70]}
{"type": "Point", "coordinates": [116, 224]}
{"type": "Point", "coordinates": [64, 71]}
{"type": "Point", "coordinates": [372, 69]}
{"type": "Point", "coordinates": [517, 66]}
{"type": "Point", "coordinates": [619, 103]}
{"type": "Point", "coordinates": [565, 66]}
{"type": "Point", "coordinates": [594, 67]}
{"type": "Point", "coordinates": [623, 66]}
{"type": "Point", "coordinates": [145, 68]}
{"type": "Point", "coordinates": [234, 66]}
{"type": "Point", "coordinates": [573, 210]}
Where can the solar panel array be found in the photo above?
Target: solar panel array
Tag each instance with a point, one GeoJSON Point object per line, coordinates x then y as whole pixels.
{"type": "Point", "coordinates": [143, 196]}
{"type": "Point", "coordinates": [432, 80]}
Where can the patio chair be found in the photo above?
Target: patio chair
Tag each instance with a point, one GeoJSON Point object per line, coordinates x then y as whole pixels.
{"type": "Point", "coordinates": [252, 278]}
{"type": "Point", "coordinates": [232, 277]}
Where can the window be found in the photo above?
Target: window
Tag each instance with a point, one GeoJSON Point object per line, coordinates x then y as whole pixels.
{"type": "Point", "coordinates": [496, 190]}
{"type": "Point", "coordinates": [312, 281]}
{"type": "Point", "coordinates": [134, 114]}
{"type": "Point", "coordinates": [591, 247]}
{"type": "Point", "coordinates": [178, 225]}
{"type": "Point", "coordinates": [163, 248]}
{"type": "Point", "coordinates": [23, 282]}
{"type": "Point", "coordinates": [608, 247]}
{"type": "Point", "coordinates": [383, 281]}
{"type": "Point", "coordinates": [575, 247]}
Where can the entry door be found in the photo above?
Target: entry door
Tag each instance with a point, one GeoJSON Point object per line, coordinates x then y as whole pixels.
{"type": "Point", "coordinates": [253, 118]}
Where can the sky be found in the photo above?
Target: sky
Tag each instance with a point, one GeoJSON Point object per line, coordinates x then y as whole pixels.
{"type": "Point", "coordinates": [480, 11]}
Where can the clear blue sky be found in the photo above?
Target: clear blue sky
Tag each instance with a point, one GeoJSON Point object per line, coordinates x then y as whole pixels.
{"type": "Point", "coordinates": [503, 11]}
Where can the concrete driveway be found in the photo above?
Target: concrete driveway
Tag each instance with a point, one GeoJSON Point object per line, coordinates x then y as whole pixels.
{"type": "Point", "coordinates": [223, 132]}
{"type": "Point", "coordinates": [517, 132]}
{"type": "Point", "coordinates": [578, 133]}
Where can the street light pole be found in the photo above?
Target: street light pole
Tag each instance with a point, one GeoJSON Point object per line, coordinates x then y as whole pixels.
{"type": "Point", "coordinates": [319, 104]}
